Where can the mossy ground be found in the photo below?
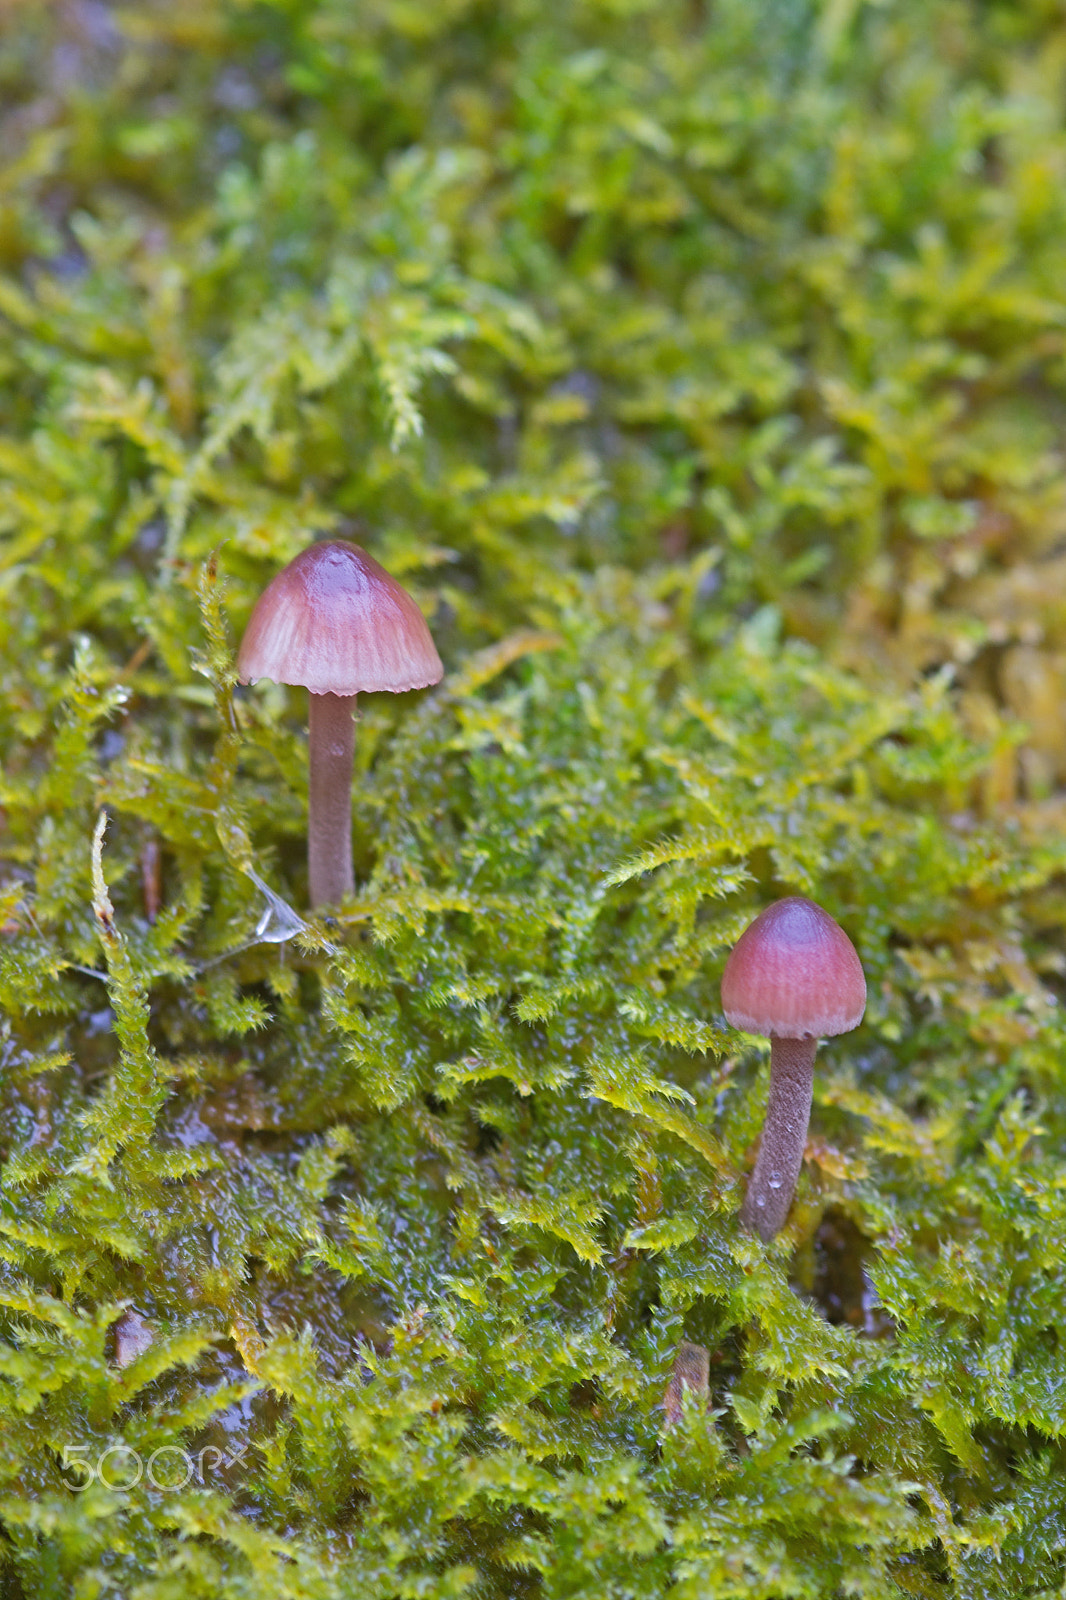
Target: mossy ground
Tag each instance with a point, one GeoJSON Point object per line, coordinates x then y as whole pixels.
{"type": "Point", "coordinates": [702, 369]}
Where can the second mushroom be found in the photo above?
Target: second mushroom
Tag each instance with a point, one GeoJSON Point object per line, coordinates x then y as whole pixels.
{"type": "Point", "coordinates": [792, 975]}
{"type": "Point", "coordinates": [336, 622]}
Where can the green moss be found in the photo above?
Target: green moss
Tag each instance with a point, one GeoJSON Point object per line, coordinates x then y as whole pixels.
{"type": "Point", "coordinates": [700, 370]}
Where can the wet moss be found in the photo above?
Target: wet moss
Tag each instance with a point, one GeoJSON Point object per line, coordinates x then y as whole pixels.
{"type": "Point", "coordinates": [699, 370]}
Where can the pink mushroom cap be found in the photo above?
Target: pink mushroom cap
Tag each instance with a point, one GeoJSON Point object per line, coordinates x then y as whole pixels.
{"type": "Point", "coordinates": [794, 972]}
{"type": "Point", "coordinates": [335, 621]}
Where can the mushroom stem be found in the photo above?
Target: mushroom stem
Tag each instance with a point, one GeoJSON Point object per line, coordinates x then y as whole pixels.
{"type": "Point", "coordinates": [329, 823]}
{"type": "Point", "coordinates": [784, 1136]}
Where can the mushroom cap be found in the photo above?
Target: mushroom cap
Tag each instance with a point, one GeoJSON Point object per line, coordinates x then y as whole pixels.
{"type": "Point", "coordinates": [334, 621]}
{"type": "Point", "coordinates": [794, 972]}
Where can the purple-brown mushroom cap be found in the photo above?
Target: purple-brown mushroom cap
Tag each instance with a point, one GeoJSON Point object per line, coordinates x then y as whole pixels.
{"type": "Point", "coordinates": [336, 622]}
{"type": "Point", "coordinates": [794, 972]}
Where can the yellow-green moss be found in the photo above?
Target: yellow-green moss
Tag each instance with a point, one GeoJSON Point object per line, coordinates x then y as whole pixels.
{"type": "Point", "coordinates": [700, 369]}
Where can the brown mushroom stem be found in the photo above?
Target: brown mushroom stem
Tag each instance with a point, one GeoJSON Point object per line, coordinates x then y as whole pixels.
{"type": "Point", "coordinates": [784, 1136]}
{"type": "Point", "coordinates": [329, 823]}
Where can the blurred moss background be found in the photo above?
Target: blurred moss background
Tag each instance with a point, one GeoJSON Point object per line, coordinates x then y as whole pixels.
{"type": "Point", "coordinates": [701, 367]}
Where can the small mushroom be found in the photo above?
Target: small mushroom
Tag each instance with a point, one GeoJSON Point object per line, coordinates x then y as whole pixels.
{"type": "Point", "coordinates": [792, 975]}
{"type": "Point", "coordinates": [691, 1372]}
{"type": "Point", "coordinates": [335, 621]}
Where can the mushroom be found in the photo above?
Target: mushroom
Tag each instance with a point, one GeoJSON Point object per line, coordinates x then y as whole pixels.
{"type": "Point", "coordinates": [792, 975]}
{"type": "Point", "coordinates": [335, 621]}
